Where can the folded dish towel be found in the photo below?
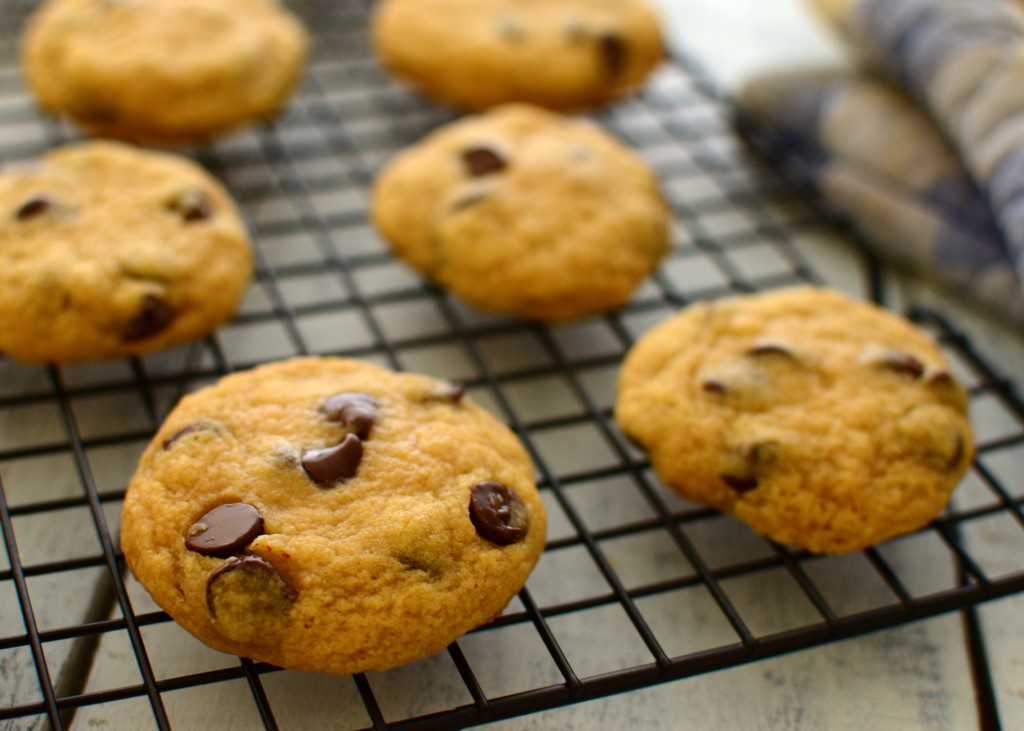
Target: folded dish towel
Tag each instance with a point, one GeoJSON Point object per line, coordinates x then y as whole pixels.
{"type": "Point", "coordinates": [923, 150]}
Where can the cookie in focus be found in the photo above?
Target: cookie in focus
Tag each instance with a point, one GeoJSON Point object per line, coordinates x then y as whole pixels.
{"type": "Point", "coordinates": [329, 515]}
{"type": "Point", "coordinates": [163, 71]}
{"type": "Point", "coordinates": [111, 251]}
{"type": "Point", "coordinates": [524, 212]}
{"type": "Point", "coordinates": [820, 421]}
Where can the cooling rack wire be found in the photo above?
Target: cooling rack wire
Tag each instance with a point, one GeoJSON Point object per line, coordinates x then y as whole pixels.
{"type": "Point", "coordinates": [636, 587]}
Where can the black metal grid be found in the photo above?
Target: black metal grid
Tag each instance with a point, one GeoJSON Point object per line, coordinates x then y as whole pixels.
{"type": "Point", "coordinates": [78, 637]}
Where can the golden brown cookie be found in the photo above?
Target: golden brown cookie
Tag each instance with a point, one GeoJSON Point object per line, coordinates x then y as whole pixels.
{"type": "Point", "coordinates": [559, 54]}
{"type": "Point", "coordinates": [109, 251]}
{"type": "Point", "coordinates": [167, 71]}
{"type": "Point", "coordinates": [820, 421]}
{"type": "Point", "coordinates": [524, 212]}
{"type": "Point", "coordinates": [326, 514]}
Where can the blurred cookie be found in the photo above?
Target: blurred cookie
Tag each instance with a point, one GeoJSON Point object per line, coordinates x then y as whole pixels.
{"type": "Point", "coordinates": [821, 421]}
{"type": "Point", "coordinates": [166, 71]}
{"type": "Point", "coordinates": [564, 55]}
{"type": "Point", "coordinates": [524, 212]}
{"type": "Point", "coordinates": [328, 515]}
{"type": "Point", "coordinates": [110, 251]}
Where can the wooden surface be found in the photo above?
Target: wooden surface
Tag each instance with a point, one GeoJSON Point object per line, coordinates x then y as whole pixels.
{"type": "Point", "coordinates": [917, 676]}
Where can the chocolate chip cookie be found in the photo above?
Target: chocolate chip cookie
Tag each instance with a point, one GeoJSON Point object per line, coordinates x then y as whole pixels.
{"type": "Point", "coordinates": [325, 514]}
{"type": "Point", "coordinates": [524, 212]}
{"type": "Point", "coordinates": [109, 251]}
{"type": "Point", "coordinates": [821, 421]}
{"type": "Point", "coordinates": [475, 54]}
{"type": "Point", "coordinates": [166, 71]}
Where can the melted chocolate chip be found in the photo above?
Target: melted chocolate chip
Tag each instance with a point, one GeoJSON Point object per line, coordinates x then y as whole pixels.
{"type": "Point", "coordinates": [613, 53]}
{"type": "Point", "coordinates": [245, 592]}
{"type": "Point", "coordinates": [35, 206]}
{"type": "Point", "coordinates": [225, 531]}
{"type": "Point", "coordinates": [359, 411]}
{"type": "Point", "coordinates": [154, 316]}
{"type": "Point", "coordinates": [901, 362]}
{"type": "Point", "coordinates": [498, 514]}
{"type": "Point", "coordinates": [480, 161]}
{"type": "Point", "coordinates": [190, 429]}
{"type": "Point", "coordinates": [192, 206]}
{"type": "Point", "coordinates": [332, 465]}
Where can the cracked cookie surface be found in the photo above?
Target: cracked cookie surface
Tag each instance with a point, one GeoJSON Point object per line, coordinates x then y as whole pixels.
{"type": "Point", "coordinates": [259, 545]}
{"type": "Point", "coordinates": [524, 212]}
{"type": "Point", "coordinates": [165, 71]}
{"type": "Point", "coordinates": [819, 420]}
{"type": "Point", "coordinates": [109, 251]}
{"type": "Point", "coordinates": [475, 54]}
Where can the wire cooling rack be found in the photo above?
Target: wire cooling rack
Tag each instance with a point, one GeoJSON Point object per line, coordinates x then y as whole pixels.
{"type": "Point", "coordinates": [636, 587]}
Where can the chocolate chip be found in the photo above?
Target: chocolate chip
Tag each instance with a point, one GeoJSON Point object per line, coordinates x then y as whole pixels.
{"type": "Point", "coordinates": [613, 53]}
{"type": "Point", "coordinates": [332, 465]}
{"type": "Point", "coordinates": [480, 161]}
{"type": "Point", "coordinates": [946, 388]}
{"type": "Point", "coordinates": [748, 463]}
{"type": "Point", "coordinates": [900, 362]}
{"type": "Point", "coordinates": [359, 411]}
{"type": "Point", "coordinates": [35, 206]}
{"type": "Point", "coordinates": [190, 429]}
{"type": "Point", "coordinates": [448, 392]}
{"type": "Point", "coordinates": [713, 385]}
{"type": "Point", "coordinates": [940, 378]}
{"type": "Point", "coordinates": [958, 453]}
{"type": "Point", "coordinates": [498, 514]}
{"type": "Point", "coordinates": [192, 206]}
{"type": "Point", "coordinates": [945, 452]}
{"type": "Point", "coordinates": [154, 316]}
{"type": "Point", "coordinates": [245, 595]}
{"type": "Point", "coordinates": [225, 531]}
{"type": "Point", "coordinates": [740, 483]}
{"type": "Point", "coordinates": [169, 441]}
{"type": "Point", "coordinates": [767, 347]}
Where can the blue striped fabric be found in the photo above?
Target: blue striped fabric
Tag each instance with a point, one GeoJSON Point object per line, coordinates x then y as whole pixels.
{"type": "Point", "coordinates": [963, 62]}
{"type": "Point", "coordinates": [878, 161]}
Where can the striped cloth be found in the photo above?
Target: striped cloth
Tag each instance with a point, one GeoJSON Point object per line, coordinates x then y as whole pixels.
{"type": "Point", "coordinates": [923, 152]}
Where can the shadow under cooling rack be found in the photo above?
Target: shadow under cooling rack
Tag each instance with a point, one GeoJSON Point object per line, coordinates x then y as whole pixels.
{"type": "Point", "coordinates": [636, 586]}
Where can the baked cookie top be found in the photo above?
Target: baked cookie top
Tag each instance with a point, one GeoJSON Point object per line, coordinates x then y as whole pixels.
{"type": "Point", "coordinates": [559, 54]}
{"type": "Point", "coordinates": [325, 514]}
{"type": "Point", "coordinates": [109, 251]}
{"type": "Point", "coordinates": [821, 421]}
{"type": "Point", "coordinates": [167, 71]}
{"type": "Point", "coordinates": [524, 212]}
